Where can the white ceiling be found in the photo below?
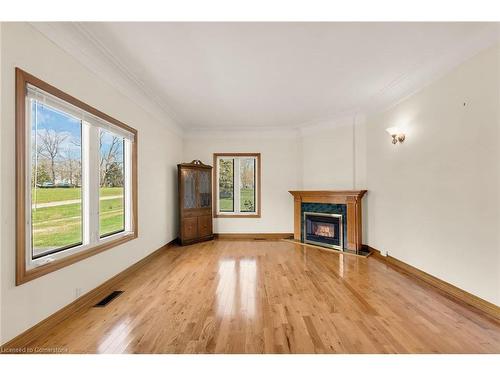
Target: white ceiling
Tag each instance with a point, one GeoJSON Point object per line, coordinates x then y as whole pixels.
{"type": "Point", "coordinates": [274, 75]}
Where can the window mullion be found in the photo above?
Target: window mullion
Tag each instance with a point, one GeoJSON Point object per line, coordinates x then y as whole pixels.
{"type": "Point", "coordinates": [93, 184]}
{"type": "Point", "coordinates": [256, 184]}
{"type": "Point", "coordinates": [216, 177]}
{"type": "Point", "coordinates": [236, 182]}
{"type": "Point", "coordinates": [128, 186]}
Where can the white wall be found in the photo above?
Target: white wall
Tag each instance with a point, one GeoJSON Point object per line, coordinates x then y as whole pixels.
{"type": "Point", "coordinates": [327, 158]}
{"type": "Point", "coordinates": [280, 160]}
{"type": "Point", "coordinates": [159, 152]}
{"type": "Point", "coordinates": [434, 201]}
{"type": "Point", "coordinates": [334, 155]}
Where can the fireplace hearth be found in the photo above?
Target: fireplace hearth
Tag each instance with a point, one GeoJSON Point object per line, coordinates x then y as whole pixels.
{"type": "Point", "coordinates": [324, 229]}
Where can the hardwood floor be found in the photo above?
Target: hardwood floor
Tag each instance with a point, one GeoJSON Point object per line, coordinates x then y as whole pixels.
{"type": "Point", "coordinates": [273, 297]}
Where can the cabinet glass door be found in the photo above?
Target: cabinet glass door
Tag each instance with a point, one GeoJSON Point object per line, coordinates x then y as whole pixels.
{"type": "Point", "coordinates": [204, 188]}
{"type": "Point", "coordinates": [189, 179]}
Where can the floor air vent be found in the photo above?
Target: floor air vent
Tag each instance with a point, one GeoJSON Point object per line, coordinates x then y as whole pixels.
{"type": "Point", "coordinates": [110, 297]}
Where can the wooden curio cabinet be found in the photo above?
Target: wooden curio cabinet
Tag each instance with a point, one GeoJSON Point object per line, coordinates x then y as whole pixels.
{"type": "Point", "coordinates": [195, 202]}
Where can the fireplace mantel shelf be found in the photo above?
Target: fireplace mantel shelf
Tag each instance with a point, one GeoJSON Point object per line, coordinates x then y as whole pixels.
{"type": "Point", "coordinates": [351, 198]}
{"type": "Point", "coordinates": [341, 194]}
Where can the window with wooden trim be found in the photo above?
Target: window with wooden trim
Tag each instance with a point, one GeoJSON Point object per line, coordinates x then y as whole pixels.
{"type": "Point", "coordinates": [237, 185]}
{"type": "Point", "coordinates": [76, 179]}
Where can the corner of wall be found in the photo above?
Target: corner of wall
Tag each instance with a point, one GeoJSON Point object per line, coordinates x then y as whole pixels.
{"type": "Point", "coordinates": [359, 152]}
{"type": "Point", "coordinates": [498, 178]}
{"type": "Point", "coordinates": [300, 162]}
{"type": "Point", "coordinates": [360, 166]}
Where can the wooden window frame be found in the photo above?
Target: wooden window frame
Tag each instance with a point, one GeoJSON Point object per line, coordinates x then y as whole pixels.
{"type": "Point", "coordinates": [258, 196]}
{"type": "Point", "coordinates": [23, 274]}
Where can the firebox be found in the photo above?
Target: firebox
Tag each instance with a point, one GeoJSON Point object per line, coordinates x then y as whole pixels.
{"type": "Point", "coordinates": [323, 229]}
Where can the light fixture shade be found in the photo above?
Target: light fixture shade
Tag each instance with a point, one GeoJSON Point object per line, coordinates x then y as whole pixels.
{"type": "Point", "coordinates": [396, 134]}
{"type": "Point", "coordinates": [392, 131]}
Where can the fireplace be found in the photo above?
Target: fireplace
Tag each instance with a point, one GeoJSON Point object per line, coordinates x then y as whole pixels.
{"type": "Point", "coordinates": [340, 202]}
{"type": "Point", "coordinates": [324, 229]}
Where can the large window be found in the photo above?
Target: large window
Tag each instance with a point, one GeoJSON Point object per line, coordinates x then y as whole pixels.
{"type": "Point", "coordinates": [76, 185]}
{"type": "Point", "coordinates": [237, 187]}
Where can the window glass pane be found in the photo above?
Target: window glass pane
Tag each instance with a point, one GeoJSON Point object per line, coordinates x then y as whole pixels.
{"type": "Point", "coordinates": [226, 185]}
{"type": "Point", "coordinates": [112, 182]}
{"type": "Point", "coordinates": [56, 173]}
{"type": "Point", "coordinates": [247, 185]}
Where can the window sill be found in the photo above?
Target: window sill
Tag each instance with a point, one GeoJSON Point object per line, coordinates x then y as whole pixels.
{"type": "Point", "coordinates": [237, 216]}
{"type": "Point", "coordinates": [24, 275]}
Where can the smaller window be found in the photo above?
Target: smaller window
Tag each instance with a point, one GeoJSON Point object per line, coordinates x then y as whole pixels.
{"type": "Point", "coordinates": [237, 185]}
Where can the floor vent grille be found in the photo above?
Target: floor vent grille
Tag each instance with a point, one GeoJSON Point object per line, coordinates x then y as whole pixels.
{"type": "Point", "coordinates": [110, 297]}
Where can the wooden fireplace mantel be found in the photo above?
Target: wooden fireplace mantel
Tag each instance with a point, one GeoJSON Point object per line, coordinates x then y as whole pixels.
{"type": "Point", "coordinates": [351, 198]}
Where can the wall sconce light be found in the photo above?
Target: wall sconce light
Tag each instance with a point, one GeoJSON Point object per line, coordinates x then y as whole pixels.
{"type": "Point", "coordinates": [396, 134]}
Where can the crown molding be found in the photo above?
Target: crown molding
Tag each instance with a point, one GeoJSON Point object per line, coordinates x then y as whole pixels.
{"type": "Point", "coordinates": [327, 124]}
{"type": "Point", "coordinates": [232, 133]}
{"type": "Point", "coordinates": [311, 127]}
{"type": "Point", "coordinates": [281, 132]}
{"type": "Point", "coordinates": [77, 41]}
